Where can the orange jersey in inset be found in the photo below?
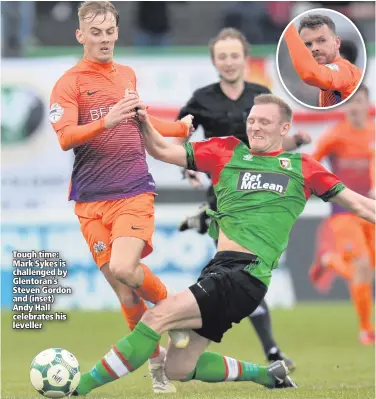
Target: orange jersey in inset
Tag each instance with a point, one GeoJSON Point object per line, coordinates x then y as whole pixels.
{"type": "Point", "coordinates": [336, 81]}
{"type": "Point", "coordinates": [111, 163]}
{"type": "Point", "coordinates": [351, 154]}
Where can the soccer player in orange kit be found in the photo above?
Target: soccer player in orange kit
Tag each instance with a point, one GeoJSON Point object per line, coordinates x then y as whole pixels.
{"type": "Point", "coordinates": [346, 243]}
{"type": "Point", "coordinates": [92, 111]}
{"type": "Point", "coordinates": [314, 52]}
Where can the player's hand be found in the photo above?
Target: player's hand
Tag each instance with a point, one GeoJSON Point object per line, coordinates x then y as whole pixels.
{"type": "Point", "coordinates": [122, 110]}
{"type": "Point", "coordinates": [193, 178]}
{"type": "Point", "coordinates": [372, 193]}
{"type": "Point", "coordinates": [188, 121]}
{"type": "Point", "coordinates": [142, 113]}
{"type": "Point", "coordinates": [302, 138]}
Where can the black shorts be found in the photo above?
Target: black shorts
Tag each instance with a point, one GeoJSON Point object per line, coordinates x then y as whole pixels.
{"type": "Point", "coordinates": [226, 293]}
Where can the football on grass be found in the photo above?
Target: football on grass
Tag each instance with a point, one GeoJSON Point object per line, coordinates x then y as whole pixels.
{"type": "Point", "coordinates": [55, 373]}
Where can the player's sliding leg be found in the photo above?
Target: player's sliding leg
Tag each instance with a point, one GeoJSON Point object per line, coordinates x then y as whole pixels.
{"type": "Point", "coordinates": [178, 311]}
{"type": "Point", "coordinates": [133, 307]}
{"type": "Point", "coordinates": [193, 363]}
{"type": "Point", "coordinates": [361, 294]}
{"type": "Point", "coordinates": [261, 321]}
{"type": "Point", "coordinates": [126, 267]}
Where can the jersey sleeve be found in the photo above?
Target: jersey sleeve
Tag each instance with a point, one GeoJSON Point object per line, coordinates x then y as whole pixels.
{"type": "Point", "coordinates": [63, 116]}
{"type": "Point", "coordinates": [64, 103]}
{"type": "Point", "coordinates": [318, 180]}
{"type": "Point", "coordinates": [169, 128]}
{"type": "Point", "coordinates": [325, 145]}
{"type": "Point", "coordinates": [192, 108]}
{"type": "Point", "coordinates": [206, 155]}
{"type": "Point", "coordinates": [327, 77]}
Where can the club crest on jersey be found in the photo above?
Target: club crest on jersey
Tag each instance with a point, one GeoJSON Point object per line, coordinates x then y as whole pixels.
{"type": "Point", "coordinates": [99, 247]}
{"type": "Point", "coordinates": [56, 112]}
{"type": "Point", "coordinates": [248, 157]}
{"type": "Point", "coordinates": [333, 67]}
{"type": "Point", "coordinates": [285, 163]}
{"type": "Point", "coordinates": [263, 181]}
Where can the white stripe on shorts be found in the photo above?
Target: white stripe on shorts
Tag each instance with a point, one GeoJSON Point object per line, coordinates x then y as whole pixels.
{"type": "Point", "coordinates": [233, 368]}
{"type": "Point", "coordinates": [115, 363]}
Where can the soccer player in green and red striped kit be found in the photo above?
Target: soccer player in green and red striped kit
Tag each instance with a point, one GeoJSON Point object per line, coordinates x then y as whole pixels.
{"type": "Point", "coordinates": [261, 193]}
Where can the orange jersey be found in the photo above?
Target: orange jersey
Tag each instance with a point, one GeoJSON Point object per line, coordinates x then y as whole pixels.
{"type": "Point", "coordinates": [351, 154]}
{"type": "Point", "coordinates": [336, 81]}
{"type": "Point", "coordinates": [111, 163]}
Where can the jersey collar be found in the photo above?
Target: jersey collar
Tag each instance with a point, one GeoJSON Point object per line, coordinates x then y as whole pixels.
{"type": "Point", "coordinates": [98, 66]}
{"type": "Point", "coordinates": [268, 154]}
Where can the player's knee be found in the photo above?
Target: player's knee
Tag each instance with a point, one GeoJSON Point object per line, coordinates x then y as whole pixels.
{"type": "Point", "coordinates": [154, 319]}
{"type": "Point", "coordinates": [124, 273]}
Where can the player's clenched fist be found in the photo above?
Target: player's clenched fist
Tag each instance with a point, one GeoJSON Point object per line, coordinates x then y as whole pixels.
{"type": "Point", "coordinates": [124, 109]}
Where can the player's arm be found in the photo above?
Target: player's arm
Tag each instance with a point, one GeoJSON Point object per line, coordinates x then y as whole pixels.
{"type": "Point", "coordinates": [362, 206]}
{"type": "Point", "coordinates": [326, 185]}
{"type": "Point", "coordinates": [201, 156]}
{"type": "Point", "coordinates": [63, 115]}
{"type": "Point", "coordinates": [325, 77]}
{"type": "Point", "coordinates": [156, 145]}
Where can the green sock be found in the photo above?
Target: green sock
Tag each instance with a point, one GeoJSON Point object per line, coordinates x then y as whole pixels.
{"type": "Point", "coordinates": [213, 367]}
{"type": "Point", "coordinates": [127, 355]}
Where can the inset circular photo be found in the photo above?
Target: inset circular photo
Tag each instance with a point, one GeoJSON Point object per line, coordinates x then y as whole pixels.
{"type": "Point", "coordinates": [321, 58]}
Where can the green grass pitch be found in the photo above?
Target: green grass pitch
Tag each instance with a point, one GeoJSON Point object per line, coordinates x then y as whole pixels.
{"type": "Point", "coordinates": [321, 338]}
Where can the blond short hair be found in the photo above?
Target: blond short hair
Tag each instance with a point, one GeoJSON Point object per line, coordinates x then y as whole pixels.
{"type": "Point", "coordinates": [90, 9]}
{"type": "Point", "coordinates": [229, 33]}
{"type": "Point", "coordinates": [284, 108]}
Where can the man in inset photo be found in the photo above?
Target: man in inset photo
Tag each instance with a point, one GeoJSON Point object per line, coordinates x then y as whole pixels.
{"type": "Point", "coordinates": [315, 54]}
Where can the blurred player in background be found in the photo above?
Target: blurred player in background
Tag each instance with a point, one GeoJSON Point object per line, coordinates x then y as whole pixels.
{"type": "Point", "coordinates": [260, 198]}
{"type": "Point", "coordinates": [111, 185]}
{"type": "Point", "coordinates": [315, 54]}
{"type": "Point", "coordinates": [345, 242]}
{"type": "Point", "coordinates": [222, 109]}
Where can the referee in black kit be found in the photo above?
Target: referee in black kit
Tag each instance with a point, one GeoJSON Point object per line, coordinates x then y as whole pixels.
{"type": "Point", "coordinates": [222, 109]}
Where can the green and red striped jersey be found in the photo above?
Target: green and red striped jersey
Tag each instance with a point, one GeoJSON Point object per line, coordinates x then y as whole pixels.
{"type": "Point", "coordinates": [259, 195]}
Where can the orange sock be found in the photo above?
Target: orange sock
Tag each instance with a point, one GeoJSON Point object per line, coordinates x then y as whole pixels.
{"type": "Point", "coordinates": [133, 316]}
{"type": "Point", "coordinates": [152, 288]}
{"type": "Point", "coordinates": [361, 294]}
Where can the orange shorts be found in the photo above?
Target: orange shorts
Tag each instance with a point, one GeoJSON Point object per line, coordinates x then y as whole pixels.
{"type": "Point", "coordinates": [104, 221]}
{"type": "Point", "coordinates": [348, 235]}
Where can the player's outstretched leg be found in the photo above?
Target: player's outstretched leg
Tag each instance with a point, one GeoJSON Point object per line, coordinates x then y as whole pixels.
{"type": "Point", "coordinates": [194, 364]}
{"type": "Point", "coordinates": [261, 321]}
